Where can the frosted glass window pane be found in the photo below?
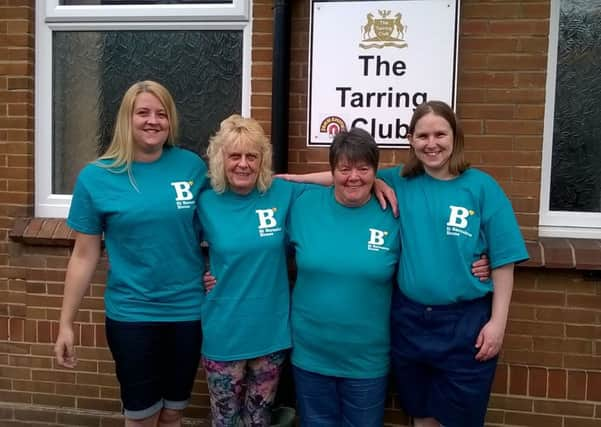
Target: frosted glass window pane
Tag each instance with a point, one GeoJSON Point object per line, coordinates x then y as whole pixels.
{"type": "Point", "coordinates": [576, 161]}
{"type": "Point", "coordinates": [93, 69]}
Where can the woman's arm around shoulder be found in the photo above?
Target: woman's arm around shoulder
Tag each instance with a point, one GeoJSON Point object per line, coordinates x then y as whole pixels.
{"type": "Point", "coordinates": [319, 178]}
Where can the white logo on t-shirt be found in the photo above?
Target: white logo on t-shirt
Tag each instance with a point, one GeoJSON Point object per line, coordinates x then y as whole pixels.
{"type": "Point", "coordinates": [458, 221]}
{"type": "Point", "coordinates": [184, 198]}
{"type": "Point", "coordinates": [268, 225]}
{"type": "Point", "coordinates": [376, 240]}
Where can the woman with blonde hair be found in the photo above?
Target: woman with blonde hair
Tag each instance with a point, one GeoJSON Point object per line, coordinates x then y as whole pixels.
{"type": "Point", "coordinates": [246, 315]}
{"type": "Point", "coordinates": [141, 196]}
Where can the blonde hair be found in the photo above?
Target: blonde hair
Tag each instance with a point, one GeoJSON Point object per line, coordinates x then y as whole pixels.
{"type": "Point", "coordinates": [120, 152]}
{"type": "Point", "coordinates": [238, 131]}
{"type": "Point", "coordinates": [457, 162]}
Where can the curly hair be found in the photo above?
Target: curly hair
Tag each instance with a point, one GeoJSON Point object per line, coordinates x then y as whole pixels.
{"type": "Point", "coordinates": [237, 131]}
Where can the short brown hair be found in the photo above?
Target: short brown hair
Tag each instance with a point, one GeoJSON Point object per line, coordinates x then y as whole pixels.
{"type": "Point", "coordinates": [355, 145]}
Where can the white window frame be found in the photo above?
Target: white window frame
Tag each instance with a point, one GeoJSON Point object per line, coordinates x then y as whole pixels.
{"type": "Point", "coordinates": [236, 10]}
{"type": "Point", "coordinates": [52, 18]}
{"type": "Point", "coordinates": [565, 224]}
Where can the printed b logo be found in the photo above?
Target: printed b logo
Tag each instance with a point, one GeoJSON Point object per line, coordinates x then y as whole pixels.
{"type": "Point", "coordinates": [182, 189]}
{"type": "Point", "coordinates": [376, 237]}
{"type": "Point", "coordinates": [458, 217]}
{"type": "Point", "coordinates": [266, 218]}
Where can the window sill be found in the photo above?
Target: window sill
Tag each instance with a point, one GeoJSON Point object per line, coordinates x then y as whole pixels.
{"type": "Point", "coordinates": [579, 254]}
{"type": "Point", "coordinates": [42, 232]}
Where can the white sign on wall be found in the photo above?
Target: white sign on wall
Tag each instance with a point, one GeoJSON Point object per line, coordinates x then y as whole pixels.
{"type": "Point", "coordinates": [373, 62]}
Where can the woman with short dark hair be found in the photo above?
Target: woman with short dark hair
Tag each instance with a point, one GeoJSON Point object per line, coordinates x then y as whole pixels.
{"type": "Point", "coordinates": [347, 250]}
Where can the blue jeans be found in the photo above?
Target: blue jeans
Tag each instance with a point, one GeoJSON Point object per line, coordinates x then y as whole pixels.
{"type": "Point", "coordinates": [325, 401]}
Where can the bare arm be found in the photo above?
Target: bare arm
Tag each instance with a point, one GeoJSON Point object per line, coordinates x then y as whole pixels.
{"type": "Point", "coordinates": [490, 338]}
{"type": "Point", "coordinates": [80, 270]}
{"type": "Point", "coordinates": [320, 178]}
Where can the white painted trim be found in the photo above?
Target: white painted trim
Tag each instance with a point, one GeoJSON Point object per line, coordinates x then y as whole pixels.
{"type": "Point", "coordinates": [145, 26]}
{"type": "Point", "coordinates": [246, 69]}
{"type": "Point", "coordinates": [456, 56]}
{"type": "Point", "coordinates": [47, 204]}
{"type": "Point", "coordinates": [236, 10]}
{"type": "Point", "coordinates": [53, 206]}
{"type": "Point", "coordinates": [585, 225]}
{"type": "Point", "coordinates": [549, 112]}
{"type": "Point", "coordinates": [572, 219]}
{"type": "Point", "coordinates": [569, 232]}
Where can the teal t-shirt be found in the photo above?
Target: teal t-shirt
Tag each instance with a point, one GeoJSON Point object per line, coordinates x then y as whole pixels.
{"type": "Point", "coordinates": [151, 234]}
{"type": "Point", "coordinates": [246, 314]}
{"type": "Point", "coordinates": [346, 260]}
{"type": "Point", "coordinates": [445, 227]}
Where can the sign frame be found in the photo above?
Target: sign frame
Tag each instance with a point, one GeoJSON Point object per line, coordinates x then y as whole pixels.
{"type": "Point", "coordinates": [328, 124]}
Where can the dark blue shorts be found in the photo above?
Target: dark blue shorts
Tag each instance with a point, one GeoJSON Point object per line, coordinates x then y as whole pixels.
{"type": "Point", "coordinates": [433, 360]}
{"type": "Point", "coordinates": [156, 363]}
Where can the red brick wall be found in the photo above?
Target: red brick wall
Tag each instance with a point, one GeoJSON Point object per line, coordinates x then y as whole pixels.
{"type": "Point", "coordinates": [16, 111]}
{"type": "Point", "coordinates": [262, 41]}
{"type": "Point", "coordinates": [550, 370]}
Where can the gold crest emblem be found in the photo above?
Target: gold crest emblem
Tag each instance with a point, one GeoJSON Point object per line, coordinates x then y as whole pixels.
{"type": "Point", "coordinates": [385, 31]}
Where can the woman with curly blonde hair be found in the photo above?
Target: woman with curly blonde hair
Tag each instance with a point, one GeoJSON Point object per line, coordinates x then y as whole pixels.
{"type": "Point", "coordinates": [246, 316]}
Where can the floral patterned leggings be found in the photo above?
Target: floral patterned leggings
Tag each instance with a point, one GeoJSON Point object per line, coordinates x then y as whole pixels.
{"type": "Point", "coordinates": [242, 391]}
